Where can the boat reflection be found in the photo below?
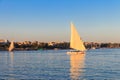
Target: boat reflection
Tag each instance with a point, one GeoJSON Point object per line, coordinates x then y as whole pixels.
{"type": "Point", "coordinates": [11, 66]}
{"type": "Point", "coordinates": [76, 65]}
{"type": "Point", "coordinates": [11, 59]}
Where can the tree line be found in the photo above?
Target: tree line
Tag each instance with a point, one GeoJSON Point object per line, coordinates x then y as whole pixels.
{"type": "Point", "coordinates": [61, 45]}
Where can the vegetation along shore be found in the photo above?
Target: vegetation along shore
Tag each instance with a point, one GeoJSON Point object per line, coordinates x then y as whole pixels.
{"type": "Point", "coordinates": [35, 45]}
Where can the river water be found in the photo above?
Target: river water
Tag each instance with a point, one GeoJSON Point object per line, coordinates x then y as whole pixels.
{"type": "Point", "coordinates": [98, 64]}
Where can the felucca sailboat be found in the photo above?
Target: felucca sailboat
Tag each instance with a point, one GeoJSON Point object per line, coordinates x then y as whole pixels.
{"type": "Point", "coordinates": [11, 46]}
{"type": "Point", "coordinates": [75, 42]}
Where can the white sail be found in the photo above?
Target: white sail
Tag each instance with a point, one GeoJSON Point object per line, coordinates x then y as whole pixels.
{"type": "Point", "coordinates": [11, 46]}
{"type": "Point", "coordinates": [76, 42]}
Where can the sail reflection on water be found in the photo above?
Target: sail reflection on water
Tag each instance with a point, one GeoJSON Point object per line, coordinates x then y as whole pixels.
{"type": "Point", "coordinates": [11, 66]}
{"type": "Point", "coordinates": [76, 65]}
{"type": "Point", "coordinates": [11, 55]}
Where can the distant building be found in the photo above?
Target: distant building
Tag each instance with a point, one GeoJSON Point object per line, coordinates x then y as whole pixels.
{"type": "Point", "coordinates": [2, 41]}
{"type": "Point", "coordinates": [51, 43]}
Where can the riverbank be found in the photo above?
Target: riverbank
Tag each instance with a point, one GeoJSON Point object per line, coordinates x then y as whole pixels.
{"type": "Point", "coordinates": [28, 45]}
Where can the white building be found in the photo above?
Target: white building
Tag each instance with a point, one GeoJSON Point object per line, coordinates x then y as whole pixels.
{"type": "Point", "coordinates": [2, 41]}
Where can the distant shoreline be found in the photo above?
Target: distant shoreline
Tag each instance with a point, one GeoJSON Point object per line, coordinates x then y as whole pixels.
{"type": "Point", "coordinates": [28, 45]}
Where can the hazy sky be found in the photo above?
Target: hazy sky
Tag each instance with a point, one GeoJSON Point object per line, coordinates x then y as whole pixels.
{"type": "Point", "coordinates": [49, 20]}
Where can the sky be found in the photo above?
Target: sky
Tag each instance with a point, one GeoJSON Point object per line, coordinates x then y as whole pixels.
{"type": "Point", "coordinates": [49, 20]}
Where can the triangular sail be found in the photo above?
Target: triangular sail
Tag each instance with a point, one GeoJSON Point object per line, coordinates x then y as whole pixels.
{"type": "Point", "coordinates": [11, 46]}
{"type": "Point", "coordinates": [76, 42]}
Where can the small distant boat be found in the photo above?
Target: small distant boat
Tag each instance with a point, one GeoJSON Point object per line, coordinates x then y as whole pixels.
{"type": "Point", "coordinates": [93, 48]}
{"type": "Point", "coordinates": [76, 43]}
{"type": "Point", "coordinates": [11, 46]}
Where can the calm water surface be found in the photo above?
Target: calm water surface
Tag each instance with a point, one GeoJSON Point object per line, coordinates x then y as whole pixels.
{"type": "Point", "coordinates": [99, 64]}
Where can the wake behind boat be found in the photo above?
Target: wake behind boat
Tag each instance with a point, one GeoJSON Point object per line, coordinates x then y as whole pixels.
{"type": "Point", "coordinates": [75, 42]}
